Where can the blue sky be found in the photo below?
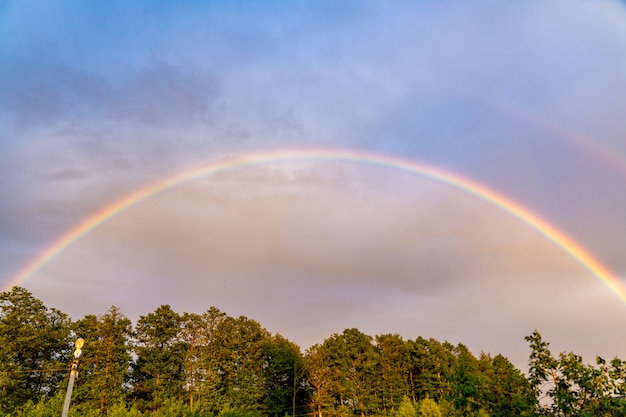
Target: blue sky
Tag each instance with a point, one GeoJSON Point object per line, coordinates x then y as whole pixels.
{"type": "Point", "coordinates": [101, 98]}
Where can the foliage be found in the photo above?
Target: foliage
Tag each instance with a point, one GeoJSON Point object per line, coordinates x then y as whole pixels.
{"type": "Point", "coordinates": [507, 391]}
{"type": "Point", "coordinates": [282, 375]}
{"type": "Point", "coordinates": [319, 379]}
{"type": "Point", "coordinates": [50, 407]}
{"type": "Point", "coordinates": [34, 349]}
{"type": "Point", "coordinates": [569, 387]}
{"type": "Point", "coordinates": [212, 364]}
{"type": "Point", "coordinates": [120, 409]}
{"type": "Point", "coordinates": [157, 371]}
{"type": "Point", "coordinates": [394, 368]}
{"type": "Point", "coordinates": [429, 408]}
{"type": "Point", "coordinates": [106, 361]}
{"type": "Point", "coordinates": [406, 408]}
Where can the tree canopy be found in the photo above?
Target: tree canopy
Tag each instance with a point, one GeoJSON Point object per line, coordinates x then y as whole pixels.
{"type": "Point", "coordinates": [212, 364]}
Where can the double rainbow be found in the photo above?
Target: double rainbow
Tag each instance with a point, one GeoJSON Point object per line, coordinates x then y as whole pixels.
{"type": "Point", "coordinates": [566, 243]}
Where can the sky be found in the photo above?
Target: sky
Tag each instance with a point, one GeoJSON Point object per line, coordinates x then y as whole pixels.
{"type": "Point", "coordinates": [101, 99]}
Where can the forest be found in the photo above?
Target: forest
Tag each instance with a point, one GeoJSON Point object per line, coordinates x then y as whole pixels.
{"type": "Point", "coordinates": [212, 364]}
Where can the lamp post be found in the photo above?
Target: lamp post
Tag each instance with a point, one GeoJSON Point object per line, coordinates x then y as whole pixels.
{"type": "Point", "coordinates": [70, 386]}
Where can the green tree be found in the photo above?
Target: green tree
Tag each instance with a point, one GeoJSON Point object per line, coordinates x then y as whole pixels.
{"type": "Point", "coordinates": [361, 360]}
{"type": "Point", "coordinates": [120, 409]}
{"type": "Point", "coordinates": [210, 384]}
{"type": "Point", "coordinates": [157, 374]}
{"type": "Point", "coordinates": [334, 355]}
{"type": "Point", "coordinates": [393, 358]}
{"type": "Point", "coordinates": [319, 377]}
{"type": "Point", "coordinates": [468, 384]}
{"type": "Point", "coordinates": [407, 408]}
{"type": "Point", "coordinates": [572, 387]}
{"type": "Point", "coordinates": [106, 359]}
{"type": "Point", "coordinates": [35, 348]}
{"type": "Point", "coordinates": [237, 344]}
{"type": "Point", "coordinates": [431, 367]}
{"type": "Point", "coordinates": [352, 361]}
{"type": "Point", "coordinates": [429, 408]}
{"type": "Point", "coordinates": [508, 392]}
{"type": "Point", "coordinates": [282, 370]}
{"type": "Point", "coordinates": [45, 407]}
{"type": "Point", "coordinates": [195, 341]}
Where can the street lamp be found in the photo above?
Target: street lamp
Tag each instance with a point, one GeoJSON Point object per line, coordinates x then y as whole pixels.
{"type": "Point", "coordinates": [70, 386]}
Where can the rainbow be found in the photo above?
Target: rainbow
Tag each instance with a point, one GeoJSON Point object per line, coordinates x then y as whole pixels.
{"type": "Point", "coordinates": [566, 243]}
{"type": "Point", "coordinates": [583, 142]}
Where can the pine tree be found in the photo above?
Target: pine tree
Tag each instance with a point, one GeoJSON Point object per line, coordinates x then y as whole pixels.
{"type": "Point", "coordinates": [158, 370]}
{"type": "Point", "coordinates": [106, 359]}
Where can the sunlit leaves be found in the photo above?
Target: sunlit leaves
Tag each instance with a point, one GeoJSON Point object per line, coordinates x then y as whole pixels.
{"type": "Point", "coordinates": [34, 347]}
{"type": "Point", "coordinates": [571, 387]}
{"type": "Point", "coordinates": [214, 364]}
{"type": "Point", "coordinates": [106, 359]}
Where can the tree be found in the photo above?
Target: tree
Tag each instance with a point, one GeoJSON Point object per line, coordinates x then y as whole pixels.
{"type": "Point", "coordinates": [572, 387]}
{"type": "Point", "coordinates": [209, 382]}
{"type": "Point", "coordinates": [429, 408]}
{"type": "Point", "coordinates": [282, 370]}
{"type": "Point", "coordinates": [431, 367]}
{"type": "Point", "coordinates": [195, 340]}
{"type": "Point", "coordinates": [406, 408]}
{"type": "Point", "coordinates": [352, 360]}
{"type": "Point", "coordinates": [468, 382]}
{"type": "Point", "coordinates": [361, 361]}
{"type": "Point", "coordinates": [319, 377]}
{"type": "Point", "coordinates": [334, 355]}
{"type": "Point", "coordinates": [508, 392]}
{"type": "Point", "coordinates": [106, 360]}
{"type": "Point", "coordinates": [237, 345]}
{"type": "Point", "coordinates": [35, 349]}
{"type": "Point", "coordinates": [393, 358]}
{"type": "Point", "coordinates": [158, 370]}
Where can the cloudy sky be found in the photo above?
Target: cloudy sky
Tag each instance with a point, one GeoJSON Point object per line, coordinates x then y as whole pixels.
{"type": "Point", "coordinates": [99, 99]}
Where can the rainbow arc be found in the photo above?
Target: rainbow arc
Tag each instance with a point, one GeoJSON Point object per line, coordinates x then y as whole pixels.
{"type": "Point", "coordinates": [562, 240]}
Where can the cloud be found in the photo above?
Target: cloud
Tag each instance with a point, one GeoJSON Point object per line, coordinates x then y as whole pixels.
{"type": "Point", "coordinates": [157, 95]}
{"type": "Point", "coordinates": [66, 174]}
{"type": "Point", "coordinates": [100, 99]}
{"type": "Point", "coordinates": [328, 243]}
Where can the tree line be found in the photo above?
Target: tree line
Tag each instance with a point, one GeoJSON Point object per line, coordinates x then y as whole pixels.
{"type": "Point", "coordinates": [212, 364]}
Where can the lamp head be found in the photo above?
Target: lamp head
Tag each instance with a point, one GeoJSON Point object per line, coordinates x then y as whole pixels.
{"type": "Point", "coordinates": [79, 343]}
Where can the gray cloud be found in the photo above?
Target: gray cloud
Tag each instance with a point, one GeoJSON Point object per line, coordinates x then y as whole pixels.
{"type": "Point", "coordinates": [160, 94]}
{"type": "Point", "coordinates": [101, 99]}
{"type": "Point", "coordinates": [344, 246]}
{"type": "Point", "coordinates": [65, 174]}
